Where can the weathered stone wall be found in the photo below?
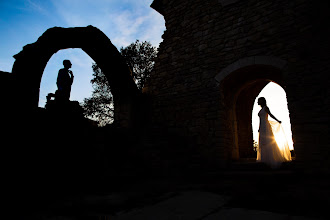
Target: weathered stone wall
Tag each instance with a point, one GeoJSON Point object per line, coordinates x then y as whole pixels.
{"type": "Point", "coordinates": [31, 61]}
{"type": "Point", "coordinates": [254, 41]}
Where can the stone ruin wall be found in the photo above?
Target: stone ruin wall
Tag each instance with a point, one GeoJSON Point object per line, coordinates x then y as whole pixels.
{"type": "Point", "coordinates": [191, 96]}
{"type": "Point", "coordinates": [202, 38]}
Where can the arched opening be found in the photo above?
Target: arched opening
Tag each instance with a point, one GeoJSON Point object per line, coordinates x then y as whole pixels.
{"type": "Point", "coordinates": [32, 60]}
{"type": "Point", "coordinates": [82, 87]}
{"type": "Point", "coordinates": [81, 68]}
{"type": "Point", "coordinates": [240, 84]}
{"type": "Point", "coordinates": [243, 105]}
{"type": "Point", "coordinates": [277, 103]}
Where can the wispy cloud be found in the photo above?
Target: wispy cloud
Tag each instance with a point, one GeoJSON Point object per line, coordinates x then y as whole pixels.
{"type": "Point", "coordinates": [127, 27]}
{"type": "Point", "coordinates": [122, 21]}
{"type": "Point", "coordinates": [31, 6]}
{"type": "Point", "coordinates": [35, 6]}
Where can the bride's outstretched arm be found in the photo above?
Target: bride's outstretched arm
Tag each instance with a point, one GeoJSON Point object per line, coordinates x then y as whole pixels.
{"type": "Point", "coordinates": [271, 115]}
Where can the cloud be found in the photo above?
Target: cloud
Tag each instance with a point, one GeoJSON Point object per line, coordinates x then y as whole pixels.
{"type": "Point", "coordinates": [122, 21]}
{"type": "Point", "coordinates": [154, 28]}
{"type": "Point", "coordinates": [126, 27]}
{"type": "Point", "coordinates": [36, 6]}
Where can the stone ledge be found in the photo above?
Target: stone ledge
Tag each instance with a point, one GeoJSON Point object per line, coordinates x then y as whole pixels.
{"type": "Point", "coordinates": [249, 61]}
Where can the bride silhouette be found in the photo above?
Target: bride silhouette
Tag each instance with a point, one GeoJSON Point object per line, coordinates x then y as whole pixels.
{"type": "Point", "coordinates": [273, 147]}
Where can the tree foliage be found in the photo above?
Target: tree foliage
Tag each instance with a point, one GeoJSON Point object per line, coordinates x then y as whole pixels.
{"type": "Point", "coordinates": [99, 106]}
{"type": "Point", "coordinates": [140, 58]}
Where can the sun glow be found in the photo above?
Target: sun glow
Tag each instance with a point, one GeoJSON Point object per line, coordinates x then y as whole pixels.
{"type": "Point", "coordinates": [281, 139]}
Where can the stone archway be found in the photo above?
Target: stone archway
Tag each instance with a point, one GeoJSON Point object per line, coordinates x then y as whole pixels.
{"type": "Point", "coordinates": [240, 84]}
{"type": "Point", "coordinates": [32, 60]}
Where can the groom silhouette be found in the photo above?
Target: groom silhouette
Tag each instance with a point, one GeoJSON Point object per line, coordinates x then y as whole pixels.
{"type": "Point", "coordinates": [64, 81]}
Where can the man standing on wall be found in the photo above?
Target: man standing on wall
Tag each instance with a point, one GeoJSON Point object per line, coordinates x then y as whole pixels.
{"type": "Point", "coordinates": [64, 81]}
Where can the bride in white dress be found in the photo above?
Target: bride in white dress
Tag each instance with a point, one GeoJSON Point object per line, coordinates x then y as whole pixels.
{"type": "Point", "coordinates": [273, 147]}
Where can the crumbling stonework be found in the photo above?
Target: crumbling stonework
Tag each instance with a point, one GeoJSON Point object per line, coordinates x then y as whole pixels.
{"type": "Point", "coordinates": [218, 55]}
{"type": "Point", "coordinates": [195, 112]}
{"type": "Point", "coordinates": [31, 61]}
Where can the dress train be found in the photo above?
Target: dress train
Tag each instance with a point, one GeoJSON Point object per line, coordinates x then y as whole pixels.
{"type": "Point", "coordinates": [273, 145]}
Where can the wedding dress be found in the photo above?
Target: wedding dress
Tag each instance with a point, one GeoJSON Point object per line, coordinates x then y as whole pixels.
{"type": "Point", "coordinates": [273, 146]}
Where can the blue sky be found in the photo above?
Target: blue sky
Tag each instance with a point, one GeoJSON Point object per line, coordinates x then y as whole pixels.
{"type": "Point", "coordinates": [123, 21]}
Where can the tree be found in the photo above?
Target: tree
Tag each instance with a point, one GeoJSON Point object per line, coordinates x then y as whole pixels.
{"type": "Point", "coordinates": [99, 106]}
{"type": "Point", "coordinates": [140, 58]}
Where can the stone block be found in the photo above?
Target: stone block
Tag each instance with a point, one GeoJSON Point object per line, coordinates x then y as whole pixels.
{"type": "Point", "coordinates": [228, 39]}
{"type": "Point", "coordinates": [227, 2]}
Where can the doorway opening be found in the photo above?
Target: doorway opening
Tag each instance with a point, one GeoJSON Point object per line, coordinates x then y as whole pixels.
{"type": "Point", "coordinates": [278, 105]}
{"type": "Point", "coordinates": [240, 86]}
